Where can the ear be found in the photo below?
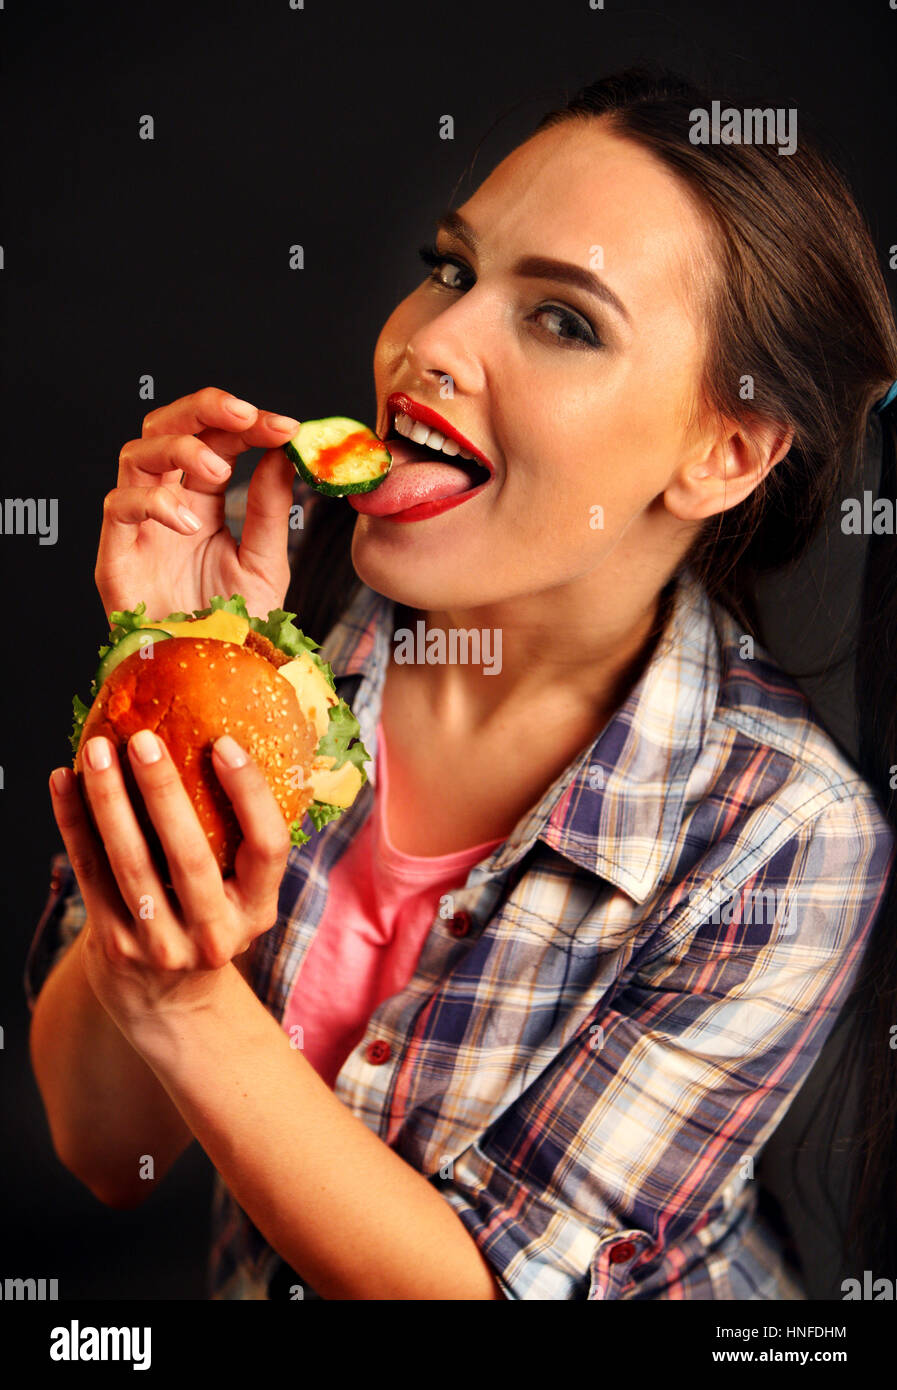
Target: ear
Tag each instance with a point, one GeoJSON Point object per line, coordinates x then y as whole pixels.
{"type": "Point", "coordinates": [719, 476]}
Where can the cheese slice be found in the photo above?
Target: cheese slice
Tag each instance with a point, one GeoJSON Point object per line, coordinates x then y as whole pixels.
{"type": "Point", "coordinates": [338, 788]}
{"type": "Point", "coordinates": [223, 626]}
{"type": "Point", "coordinates": [312, 690]}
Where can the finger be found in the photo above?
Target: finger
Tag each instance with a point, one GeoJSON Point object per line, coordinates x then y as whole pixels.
{"type": "Point", "coordinates": [211, 411]}
{"type": "Point", "coordinates": [203, 462]}
{"type": "Point", "coordinates": [195, 874]}
{"type": "Point", "coordinates": [165, 943]}
{"type": "Point", "coordinates": [208, 408]}
{"type": "Point", "coordinates": [106, 910]}
{"type": "Point", "coordinates": [141, 462]}
{"type": "Point", "coordinates": [127, 507]}
{"type": "Point", "coordinates": [262, 855]}
{"type": "Point", "coordinates": [268, 432]}
{"type": "Point", "coordinates": [264, 540]}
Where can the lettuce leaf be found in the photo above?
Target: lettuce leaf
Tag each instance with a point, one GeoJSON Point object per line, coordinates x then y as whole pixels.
{"type": "Point", "coordinates": [79, 712]}
{"type": "Point", "coordinates": [335, 743]}
{"type": "Point", "coordinates": [121, 623]}
{"type": "Point", "coordinates": [126, 620]}
{"type": "Point", "coordinates": [320, 812]}
{"type": "Point", "coordinates": [280, 629]}
{"type": "Point", "coordinates": [235, 604]}
{"type": "Point", "coordinates": [298, 836]}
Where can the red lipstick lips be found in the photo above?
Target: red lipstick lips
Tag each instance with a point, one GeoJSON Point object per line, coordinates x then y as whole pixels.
{"type": "Point", "coordinates": [421, 485]}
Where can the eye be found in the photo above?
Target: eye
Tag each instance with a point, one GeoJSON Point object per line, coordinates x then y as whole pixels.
{"type": "Point", "coordinates": [580, 331]}
{"type": "Point", "coordinates": [435, 259]}
{"type": "Point", "coordinates": [572, 330]}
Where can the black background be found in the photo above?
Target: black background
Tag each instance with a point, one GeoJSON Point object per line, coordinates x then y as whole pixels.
{"type": "Point", "coordinates": [123, 257]}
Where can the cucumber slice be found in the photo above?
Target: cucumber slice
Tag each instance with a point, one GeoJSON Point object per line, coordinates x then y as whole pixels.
{"type": "Point", "coordinates": [337, 456]}
{"type": "Point", "coordinates": [130, 643]}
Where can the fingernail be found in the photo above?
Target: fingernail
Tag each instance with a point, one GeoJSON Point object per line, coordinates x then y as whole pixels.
{"type": "Point", "coordinates": [98, 752]}
{"type": "Point", "coordinates": [189, 518]}
{"type": "Point", "coordinates": [215, 463]}
{"type": "Point", "coordinates": [242, 409]}
{"type": "Point", "coordinates": [145, 746]}
{"type": "Point", "coordinates": [61, 779]}
{"type": "Point", "coordinates": [283, 423]}
{"type": "Point", "coordinates": [229, 751]}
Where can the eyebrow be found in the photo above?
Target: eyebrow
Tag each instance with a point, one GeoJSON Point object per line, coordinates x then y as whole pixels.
{"type": "Point", "coordinates": [538, 267]}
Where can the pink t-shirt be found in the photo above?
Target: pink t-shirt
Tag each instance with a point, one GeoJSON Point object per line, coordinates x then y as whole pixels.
{"type": "Point", "coordinates": [381, 904]}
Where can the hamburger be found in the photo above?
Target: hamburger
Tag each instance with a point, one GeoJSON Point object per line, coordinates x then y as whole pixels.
{"type": "Point", "coordinates": [192, 677]}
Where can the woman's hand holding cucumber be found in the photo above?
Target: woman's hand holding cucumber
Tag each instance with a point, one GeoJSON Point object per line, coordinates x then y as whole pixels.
{"type": "Point", "coordinates": [151, 550]}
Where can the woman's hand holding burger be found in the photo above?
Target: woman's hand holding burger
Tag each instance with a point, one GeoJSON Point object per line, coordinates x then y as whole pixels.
{"type": "Point", "coordinates": [150, 548]}
{"type": "Point", "coordinates": [155, 942]}
{"type": "Point", "coordinates": [145, 950]}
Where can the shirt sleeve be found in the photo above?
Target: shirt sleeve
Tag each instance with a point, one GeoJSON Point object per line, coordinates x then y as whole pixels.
{"type": "Point", "coordinates": [600, 1181]}
{"type": "Point", "coordinates": [62, 918]}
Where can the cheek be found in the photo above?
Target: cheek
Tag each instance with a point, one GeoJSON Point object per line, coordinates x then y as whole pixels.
{"type": "Point", "coordinates": [564, 475]}
{"type": "Point", "coordinates": [620, 455]}
{"type": "Point", "coordinates": [385, 352]}
{"type": "Point", "coordinates": [392, 343]}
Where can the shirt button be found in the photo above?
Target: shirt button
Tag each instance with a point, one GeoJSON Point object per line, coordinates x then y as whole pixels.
{"type": "Point", "coordinates": [459, 925]}
{"type": "Point", "coordinates": [378, 1051]}
{"type": "Point", "coordinates": [623, 1250]}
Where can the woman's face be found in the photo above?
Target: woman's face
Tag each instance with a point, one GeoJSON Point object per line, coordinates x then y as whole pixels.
{"type": "Point", "coordinates": [582, 409]}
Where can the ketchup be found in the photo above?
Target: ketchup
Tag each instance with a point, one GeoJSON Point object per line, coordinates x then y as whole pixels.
{"type": "Point", "coordinates": [359, 443]}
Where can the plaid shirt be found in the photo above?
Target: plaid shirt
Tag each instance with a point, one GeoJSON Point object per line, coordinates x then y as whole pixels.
{"type": "Point", "coordinates": [595, 1047]}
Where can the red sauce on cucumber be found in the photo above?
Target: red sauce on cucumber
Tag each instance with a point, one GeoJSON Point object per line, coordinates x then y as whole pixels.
{"type": "Point", "coordinates": [358, 444]}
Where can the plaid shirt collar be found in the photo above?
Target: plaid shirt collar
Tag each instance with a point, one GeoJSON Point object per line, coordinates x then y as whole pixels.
{"type": "Point", "coordinates": [638, 760]}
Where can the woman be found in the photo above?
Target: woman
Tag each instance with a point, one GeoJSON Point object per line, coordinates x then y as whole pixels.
{"type": "Point", "coordinates": [575, 947]}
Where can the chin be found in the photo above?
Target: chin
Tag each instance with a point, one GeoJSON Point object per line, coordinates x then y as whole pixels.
{"type": "Point", "coordinates": [434, 575]}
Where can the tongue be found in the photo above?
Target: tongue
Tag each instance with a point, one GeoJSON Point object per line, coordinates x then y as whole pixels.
{"type": "Point", "coordinates": [412, 479]}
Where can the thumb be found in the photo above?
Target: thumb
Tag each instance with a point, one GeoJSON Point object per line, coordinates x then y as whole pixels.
{"type": "Point", "coordinates": [266, 527]}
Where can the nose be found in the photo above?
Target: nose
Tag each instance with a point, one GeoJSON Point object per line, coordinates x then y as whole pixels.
{"type": "Point", "coordinates": [441, 359]}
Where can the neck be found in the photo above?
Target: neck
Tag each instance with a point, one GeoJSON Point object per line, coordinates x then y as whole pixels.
{"type": "Point", "coordinates": [573, 651]}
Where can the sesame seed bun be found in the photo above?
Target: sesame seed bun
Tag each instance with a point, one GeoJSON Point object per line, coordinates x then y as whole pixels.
{"type": "Point", "coordinates": [190, 691]}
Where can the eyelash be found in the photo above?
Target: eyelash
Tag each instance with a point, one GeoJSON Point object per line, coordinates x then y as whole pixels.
{"type": "Point", "coordinates": [435, 258]}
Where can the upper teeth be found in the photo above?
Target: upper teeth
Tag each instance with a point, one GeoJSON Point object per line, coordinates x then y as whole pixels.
{"type": "Point", "coordinates": [422, 434]}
